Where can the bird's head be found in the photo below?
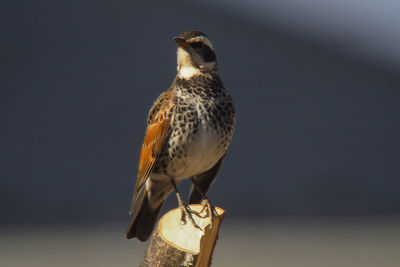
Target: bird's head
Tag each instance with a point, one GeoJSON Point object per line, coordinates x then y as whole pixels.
{"type": "Point", "coordinates": [195, 54]}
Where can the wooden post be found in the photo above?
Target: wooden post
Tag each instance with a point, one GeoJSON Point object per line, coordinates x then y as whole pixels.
{"type": "Point", "coordinates": [177, 244]}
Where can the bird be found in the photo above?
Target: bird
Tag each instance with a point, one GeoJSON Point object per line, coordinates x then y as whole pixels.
{"type": "Point", "coordinates": [189, 130]}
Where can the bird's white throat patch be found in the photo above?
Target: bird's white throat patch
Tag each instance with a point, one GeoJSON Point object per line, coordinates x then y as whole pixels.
{"type": "Point", "coordinates": [187, 72]}
{"type": "Point", "coordinates": [185, 67]}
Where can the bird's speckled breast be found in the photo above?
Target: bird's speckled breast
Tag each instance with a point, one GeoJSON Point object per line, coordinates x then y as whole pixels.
{"type": "Point", "coordinates": [202, 128]}
{"type": "Point", "coordinates": [198, 151]}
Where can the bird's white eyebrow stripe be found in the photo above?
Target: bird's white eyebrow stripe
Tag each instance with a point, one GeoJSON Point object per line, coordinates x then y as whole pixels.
{"type": "Point", "coordinates": [202, 39]}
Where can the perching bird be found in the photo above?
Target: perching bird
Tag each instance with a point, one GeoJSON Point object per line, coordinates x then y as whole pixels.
{"type": "Point", "coordinates": [189, 130]}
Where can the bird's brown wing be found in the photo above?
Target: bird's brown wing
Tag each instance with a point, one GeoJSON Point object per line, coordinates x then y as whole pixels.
{"type": "Point", "coordinates": [157, 133]}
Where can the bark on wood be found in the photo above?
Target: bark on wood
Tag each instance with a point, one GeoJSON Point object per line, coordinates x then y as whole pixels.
{"type": "Point", "coordinates": [177, 244]}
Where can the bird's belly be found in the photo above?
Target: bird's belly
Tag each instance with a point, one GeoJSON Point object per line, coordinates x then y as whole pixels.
{"type": "Point", "coordinates": [197, 154]}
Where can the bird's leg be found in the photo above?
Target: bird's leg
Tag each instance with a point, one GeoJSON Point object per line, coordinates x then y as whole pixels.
{"type": "Point", "coordinates": [205, 202]}
{"type": "Point", "coordinates": [185, 211]}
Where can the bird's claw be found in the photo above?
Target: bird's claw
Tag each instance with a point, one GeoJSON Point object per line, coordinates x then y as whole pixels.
{"type": "Point", "coordinates": [210, 210]}
{"type": "Point", "coordinates": [186, 212]}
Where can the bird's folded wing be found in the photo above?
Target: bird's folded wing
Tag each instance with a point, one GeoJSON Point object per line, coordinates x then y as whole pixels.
{"type": "Point", "coordinates": [157, 133]}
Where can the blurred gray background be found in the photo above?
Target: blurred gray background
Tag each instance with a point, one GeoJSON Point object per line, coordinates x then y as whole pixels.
{"type": "Point", "coordinates": [317, 91]}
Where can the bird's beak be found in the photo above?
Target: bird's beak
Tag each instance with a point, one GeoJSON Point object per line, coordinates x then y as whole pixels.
{"type": "Point", "coordinates": [181, 42]}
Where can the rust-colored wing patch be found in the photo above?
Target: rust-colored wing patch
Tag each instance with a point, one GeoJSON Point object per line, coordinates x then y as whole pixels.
{"type": "Point", "coordinates": [154, 140]}
{"type": "Point", "coordinates": [157, 133]}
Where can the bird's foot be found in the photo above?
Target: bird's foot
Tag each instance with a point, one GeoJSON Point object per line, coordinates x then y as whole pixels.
{"type": "Point", "coordinates": [210, 210]}
{"type": "Point", "coordinates": [186, 212]}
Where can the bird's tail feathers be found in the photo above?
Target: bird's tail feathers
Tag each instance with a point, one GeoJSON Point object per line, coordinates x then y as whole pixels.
{"type": "Point", "coordinates": [144, 220]}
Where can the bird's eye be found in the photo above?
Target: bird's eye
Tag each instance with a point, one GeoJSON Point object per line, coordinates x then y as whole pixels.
{"type": "Point", "coordinates": [196, 44]}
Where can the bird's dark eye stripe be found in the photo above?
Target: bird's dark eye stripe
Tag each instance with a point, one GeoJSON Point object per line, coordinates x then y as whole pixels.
{"type": "Point", "coordinates": [196, 44]}
{"type": "Point", "coordinates": [208, 54]}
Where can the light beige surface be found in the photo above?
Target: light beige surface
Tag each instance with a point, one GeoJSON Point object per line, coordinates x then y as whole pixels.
{"type": "Point", "coordinates": [269, 242]}
{"type": "Point", "coordinates": [185, 236]}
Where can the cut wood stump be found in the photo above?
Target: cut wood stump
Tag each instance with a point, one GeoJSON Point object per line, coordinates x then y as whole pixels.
{"type": "Point", "coordinates": [176, 244]}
